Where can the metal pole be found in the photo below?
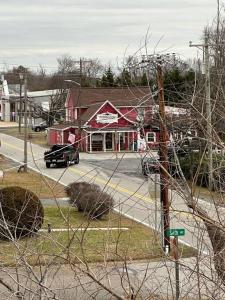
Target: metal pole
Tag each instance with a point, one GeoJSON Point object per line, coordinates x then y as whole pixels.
{"type": "Point", "coordinates": [176, 258]}
{"type": "Point", "coordinates": [156, 208]}
{"type": "Point", "coordinates": [163, 161]}
{"type": "Point", "coordinates": [208, 112]}
{"type": "Point", "coordinates": [20, 106]}
{"type": "Point", "coordinates": [25, 121]}
{"type": "Point", "coordinates": [79, 117]}
{"type": "Point", "coordinates": [205, 47]}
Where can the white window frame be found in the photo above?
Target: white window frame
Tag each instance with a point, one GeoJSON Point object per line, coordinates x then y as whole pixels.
{"type": "Point", "coordinates": [147, 137]}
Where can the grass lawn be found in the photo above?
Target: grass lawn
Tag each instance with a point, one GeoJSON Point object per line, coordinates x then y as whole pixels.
{"type": "Point", "coordinates": [42, 186]}
{"type": "Point", "coordinates": [139, 242]}
{"type": "Point", "coordinates": [38, 138]}
{"type": "Point", "coordinates": [204, 193]}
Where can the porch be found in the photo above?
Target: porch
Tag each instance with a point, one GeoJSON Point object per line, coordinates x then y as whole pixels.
{"type": "Point", "coordinates": [115, 140]}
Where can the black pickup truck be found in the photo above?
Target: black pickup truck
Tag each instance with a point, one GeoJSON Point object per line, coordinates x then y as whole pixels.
{"type": "Point", "coordinates": [62, 155]}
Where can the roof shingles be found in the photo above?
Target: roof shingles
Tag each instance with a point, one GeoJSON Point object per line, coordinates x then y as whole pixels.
{"type": "Point", "coordinates": [118, 96]}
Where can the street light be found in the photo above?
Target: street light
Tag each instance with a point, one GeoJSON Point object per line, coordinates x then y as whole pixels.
{"type": "Point", "coordinates": [78, 104]}
{"type": "Point", "coordinates": [21, 76]}
{"type": "Point", "coordinates": [25, 120]}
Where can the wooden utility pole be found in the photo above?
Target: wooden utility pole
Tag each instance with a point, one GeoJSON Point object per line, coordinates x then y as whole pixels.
{"type": "Point", "coordinates": [81, 63]}
{"type": "Point", "coordinates": [81, 71]}
{"type": "Point", "coordinates": [163, 153]}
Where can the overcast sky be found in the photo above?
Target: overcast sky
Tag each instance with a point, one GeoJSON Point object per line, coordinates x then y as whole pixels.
{"type": "Point", "coordinates": [38, 31]}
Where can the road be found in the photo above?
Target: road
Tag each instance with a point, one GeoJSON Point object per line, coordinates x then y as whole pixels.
{"type": "Point", "coordinates": [157, 282]}
{"type": "Point", "coordinates": [116, 176]}
{"type": "Point", "coordinates": [134, 197]}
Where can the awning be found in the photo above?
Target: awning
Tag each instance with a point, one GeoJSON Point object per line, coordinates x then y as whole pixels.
{"type": "Point", "coordinates": [105, 130]}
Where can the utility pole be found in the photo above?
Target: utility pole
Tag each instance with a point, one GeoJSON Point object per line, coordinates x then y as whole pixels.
{"type": "Point", "coordinates": [20, 103]}
{"type": "Point", "coordinates": [25, 121]}
{"type": "Point", "coordinates": [21, 70]}
{"type": "Point", "coordinates": [205, 48]}
{"type": "Point", "coordinates": [208, 111]}
{"type": "Point", "coordinates": [81, 63]}
{"type": "Point", "coordinates": [163, 152]}
{"type": "Point", "coordinates": [79, 107]}
{"type": "Point", "coordinates": [81, 70]}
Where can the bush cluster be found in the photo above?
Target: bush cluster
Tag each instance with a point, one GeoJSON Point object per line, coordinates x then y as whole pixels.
{"type": "Point", "coordinates": [21, 212]}
{"type": "Point", "coordinates": [195, 166]}
{"type": "Point", "coordinates": [89, 198]}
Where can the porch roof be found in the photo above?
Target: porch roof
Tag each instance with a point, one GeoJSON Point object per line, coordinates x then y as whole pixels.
{"type": "Point", "coordinates": [63, 126]}
{"type": "Point", "coordinates": [98, 130]}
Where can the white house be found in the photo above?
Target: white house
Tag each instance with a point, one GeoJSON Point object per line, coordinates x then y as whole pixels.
{"type": "Point", "coordinates": [10, 99]}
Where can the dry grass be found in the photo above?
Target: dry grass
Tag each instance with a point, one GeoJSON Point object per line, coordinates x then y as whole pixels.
{"type": "Point", "coordinates": [38, 138]}
{"type": "Point", "coordinates": [139, 242]}
{"type": "Point", "coordinates": [204, 193]}
{"type": "Point", "coordinates": [42, 186]}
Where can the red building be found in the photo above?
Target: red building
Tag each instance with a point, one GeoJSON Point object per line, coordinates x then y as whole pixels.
{"type": "Point", "coordinates": [107, 119]}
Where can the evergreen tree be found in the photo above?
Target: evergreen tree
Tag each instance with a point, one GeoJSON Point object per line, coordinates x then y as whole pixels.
{"type": "Point", "coordinates": [178, 84]}
{"type": "Point", "coordinates": [126, 78]}
{"type": "Point", "coordinates": [107, 79]}
{"type": "Point", "coordinates": [144, 80]}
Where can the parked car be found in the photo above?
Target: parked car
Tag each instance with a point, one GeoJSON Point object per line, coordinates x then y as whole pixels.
{"type": "Point", "coordinates": [61, 155]}
{"type": "Point", "coordinates": [40, 127]}
{"type": "Point", "coordinates": [150, 165]}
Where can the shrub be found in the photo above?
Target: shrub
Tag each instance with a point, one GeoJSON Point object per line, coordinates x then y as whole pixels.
{"type": "Point", "coordinates": [195, 166]}
{"type": "Point", "coordinates": [21, 212]}
{"type": "Point", "coordinates": [89, 198]}
{"type": "Point", "coordinates": [96, 203]}
{"type": "Point", "coordinates": [76, 189]}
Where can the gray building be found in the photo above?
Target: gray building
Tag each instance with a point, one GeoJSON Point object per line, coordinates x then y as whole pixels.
{"type": "Point", "coordinates": [10, 102]}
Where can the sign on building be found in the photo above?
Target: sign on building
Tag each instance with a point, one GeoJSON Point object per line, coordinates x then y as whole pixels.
{"type": "Point", "coordinates": [107, 118]}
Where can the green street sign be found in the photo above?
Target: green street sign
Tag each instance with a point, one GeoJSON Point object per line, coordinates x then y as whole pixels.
{"type": "Point", "coordinates": [175, 232]}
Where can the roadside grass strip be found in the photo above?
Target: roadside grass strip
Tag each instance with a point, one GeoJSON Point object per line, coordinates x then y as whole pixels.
{"type": "Point", "coordinates": [84, 229]}
{"type": "Point", "coordinates": [76, 238]}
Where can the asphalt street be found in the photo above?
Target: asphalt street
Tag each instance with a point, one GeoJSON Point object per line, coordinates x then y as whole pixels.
{"type": "Point", "coordinates": [156, 281]}
{"type": "Point", "coordinates": [134, 195]}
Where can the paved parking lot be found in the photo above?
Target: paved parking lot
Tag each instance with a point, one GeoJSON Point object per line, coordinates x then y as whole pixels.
{"type": "Point", "coordinates": [125, 163]}
{"type": "Point", "coordinates": [128, 166]}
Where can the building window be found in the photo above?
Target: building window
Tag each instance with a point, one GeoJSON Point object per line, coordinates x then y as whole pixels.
{"type": "Point", "coordinates": [150, 137]}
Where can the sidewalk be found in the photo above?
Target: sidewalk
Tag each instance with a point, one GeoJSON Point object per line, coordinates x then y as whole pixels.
{"type": "Point", "coordinates": [4, 124]}
{"type": "Point", "coordinates": [142, 280]}
{"type": "Point", "coordinates": [114, 155]}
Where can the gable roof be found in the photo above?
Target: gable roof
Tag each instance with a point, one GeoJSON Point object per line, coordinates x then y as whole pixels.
{"type": "Point", "coordinates": [122, 96]}
{"type": "Point", "coordinates": [94, 109]}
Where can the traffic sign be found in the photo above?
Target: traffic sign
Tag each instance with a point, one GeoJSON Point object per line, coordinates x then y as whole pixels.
{"type": "Point", "coordinates": [175, 232]}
